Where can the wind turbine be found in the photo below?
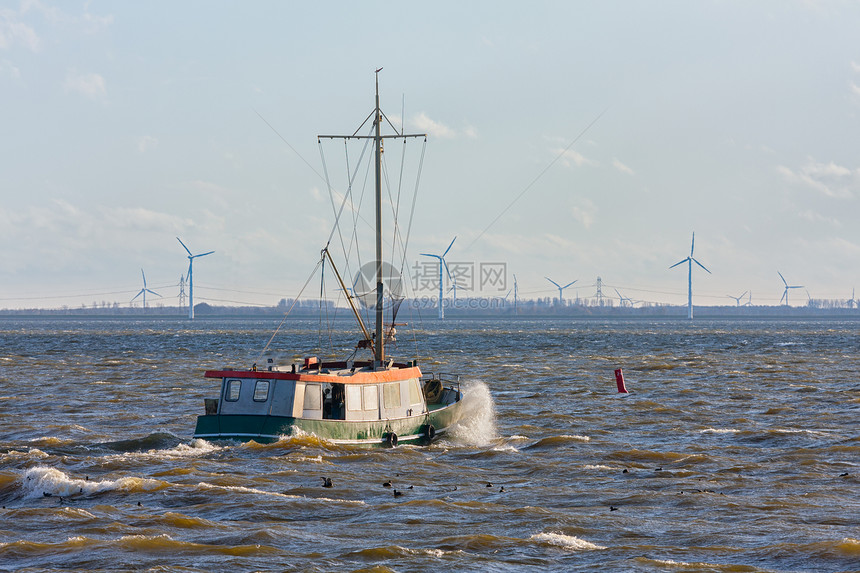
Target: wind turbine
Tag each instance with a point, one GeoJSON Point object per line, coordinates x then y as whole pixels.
{"type": "Point", "coordinates": [442, 263]}
{"type": "Point", "coordinates": [622, 299]}
{"type": "Point", "coordinates": [144, 290]}
{"type": "Point", "coordinates": [191, 276]}
{"type": "Point", "coordinates": [690, 260]}
{"type": "Point", "coordinates": [738, 298]}
{"type": "Point", "coordinates": [560, 289]}
{"type": "Point", "coordinates": [787, 286]}
{"type": "Point", "coordinates": [852, 302]}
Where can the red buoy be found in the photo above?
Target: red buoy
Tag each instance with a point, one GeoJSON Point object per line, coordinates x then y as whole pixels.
{"type": "Point", "coordinates": [619, 379]}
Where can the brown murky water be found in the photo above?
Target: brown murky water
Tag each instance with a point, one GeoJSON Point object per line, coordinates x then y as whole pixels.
{"type": "Point", "coordinates": [738, 449]}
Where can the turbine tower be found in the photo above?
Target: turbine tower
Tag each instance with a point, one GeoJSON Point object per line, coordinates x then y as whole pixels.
{"type": "Point", "coordinates": [560, 289]}
{"type": "Point", "coordinates": [852, 302]}
{"type": "Point", "coordinates": [442, 263]}
{"type": "Point", "coordinates": [144, 290]}
{"type": "Point", "coordinates": [738, 298]}
{"type": "Point", "coordinates": [690, 260]}
{"type": "Point", "coordinates": [191, 276]}
{"type": "Point", "coordinates": [787, 286]}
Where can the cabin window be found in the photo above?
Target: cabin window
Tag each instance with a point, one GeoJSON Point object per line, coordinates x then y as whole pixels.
{"type": "Point", "coordinates": [353, 398]}
{"type": "Point", "coordinates": [312, 397]}
{"type": "Point", "coordinates": [261, 391]}
{"type": "Point", "coordinates": [371, 398]}
{"type": "Point", "coordinates": [234, 387]}
{"type": "Point", "coordinates": [391, 395]}
{"type": "Point", "coordinates": [414, 392]}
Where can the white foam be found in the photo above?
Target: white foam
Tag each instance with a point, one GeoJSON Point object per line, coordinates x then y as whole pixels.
{"type": "Point", "coordinates": [243, 489]}
{"type": "Point", "coordinates": [719, 431]}
{"type": "Point", "coordinates": [197, 447]}
{"type": "Point", "coordinates": [566, 541]}
{"type": "Point", "coordinates": [477, 423]}
{"type": "Point", "coordinates": [40, 480]}
{"type": "Point", "coordinates": [19, 455]}
{"type": "Point", "coordinates": [597, 467]}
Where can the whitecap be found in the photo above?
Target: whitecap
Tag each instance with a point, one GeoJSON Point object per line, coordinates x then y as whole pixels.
{"type": "Point", "coordinates": [719, 431]}
{"type": "Point", "coordinates": [566, 541]}
{"type": "Point", "coordinates": [39, 480]}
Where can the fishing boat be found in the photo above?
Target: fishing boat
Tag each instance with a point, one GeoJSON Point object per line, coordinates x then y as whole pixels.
{"type": "Point", "coordinates": [376, 401]}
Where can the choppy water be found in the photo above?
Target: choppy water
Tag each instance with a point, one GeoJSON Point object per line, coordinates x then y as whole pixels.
{"type": "Point", "coordinates": [738, 449]}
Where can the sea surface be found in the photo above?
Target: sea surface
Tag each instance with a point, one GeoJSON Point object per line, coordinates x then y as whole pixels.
{"type": "Point", "coordinates": [736, 449]}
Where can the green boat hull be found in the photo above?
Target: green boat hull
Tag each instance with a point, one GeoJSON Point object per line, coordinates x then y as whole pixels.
{"type": "Point", "coordinates": [267, 429]}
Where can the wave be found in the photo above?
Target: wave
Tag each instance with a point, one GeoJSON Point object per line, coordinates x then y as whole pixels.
{"type": "Point", "coordinates": [252, 490]}
{"type": "Point", "coordinates": [195, 448]}
{"type": "Point", "coordinates": [155, 441]}
{"type": "Point", "coordinates": [692, 566]}
{"type": "Point", "coordinates": [41, 480]}
{"type": "Point", "coordinates": [557, 441]}
{"type": "Point", "coordinates": [570, 542]}
{"type": "Point", "coordinates": [18, 455]}
{"type": "Point", "coordinates": [395, 552]}
{"type": "Point", "coordinates": [162, 544]}
{"type": "Point", "coordinates": [477, 423]}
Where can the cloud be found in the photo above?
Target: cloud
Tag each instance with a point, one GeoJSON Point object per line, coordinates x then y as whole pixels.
{"type": "Point", "coordinates": [431, 127]}
{"type": "Point", "coordinates": [829, 179]}
{"type": "Point", "coordinates": [13, 32]}
{"type": "Point", "coordinates": [142, 219]}
{"type": "Point", "coordinates": [146, 143]}
{"type": "Point", "coordinates": [86, 23]}
{"type": "Point", "coordinates": [9, 70]}
{"type": "Point", "coordinates": [87, 85]}
{"type": "Point", "coordinates": [569, 156]}
{"type": "Point", "coordinates": [815, 217]}
{"type": "Point", "coordinates": [621, 167]}
{"type": "Point", "coordinates": [584, 213]}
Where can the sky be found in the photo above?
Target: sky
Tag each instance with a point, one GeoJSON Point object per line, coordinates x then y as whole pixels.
{"type": "Point", "coordinates": [566, 139]}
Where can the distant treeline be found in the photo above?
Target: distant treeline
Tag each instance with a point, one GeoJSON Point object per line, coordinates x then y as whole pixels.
{"type": "Point", "coordinates": [463, 308]}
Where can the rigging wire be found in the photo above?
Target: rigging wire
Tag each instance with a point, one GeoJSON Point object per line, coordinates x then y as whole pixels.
{"type": "Point", "coordinates": [289, 310]}
{"type": "Point", "coordinates": [535, 180]}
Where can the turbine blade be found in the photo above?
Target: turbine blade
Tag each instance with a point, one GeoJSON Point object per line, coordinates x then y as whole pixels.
{"type": "Point", "coordinates": [701, 265]}
{"type": "Point", "coordinates": [152, 292]}
{"type": "Point", "coordinates": [568, 284]}
{"type": "Point", "coordinates": [782, 277]}
{"type": "Point", "coordinates": [434, 256]}
{"type": "Point", "coordinates": [137, 295]}
{"type": "Point", "coordinates": [553, 282]}
{"type": "Point", "coordinates": [183, 246]}
{"type": "Point", "coordinates": [203, 254]}
{"type": "Point", "coordinates": [679, 262]}
{"type": "Point", "coordinates": [692, 244]}
{"type": "Point", "coordinates": [449, 246]}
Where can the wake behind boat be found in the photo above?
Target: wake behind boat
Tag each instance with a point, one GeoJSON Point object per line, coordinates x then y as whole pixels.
{"type": "Point", "coordinates": [376, 401]}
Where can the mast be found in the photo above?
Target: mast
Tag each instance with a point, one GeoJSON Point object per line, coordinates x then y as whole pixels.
{"type": "Point", "coordinates": [378, 342]}
{"type": "Point", "coordinates": [379, 346]}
